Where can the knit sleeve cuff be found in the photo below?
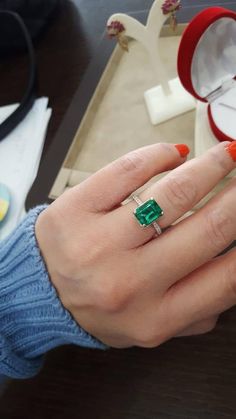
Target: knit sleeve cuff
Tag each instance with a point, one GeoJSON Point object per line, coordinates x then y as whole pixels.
{"type": "Point", "coordinates": [32, 318]}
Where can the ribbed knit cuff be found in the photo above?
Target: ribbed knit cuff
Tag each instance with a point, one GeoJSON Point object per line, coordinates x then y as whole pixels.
{"type": "Point", "coordinates": [32, 318]}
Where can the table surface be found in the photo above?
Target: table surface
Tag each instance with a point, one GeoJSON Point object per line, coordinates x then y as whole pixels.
{"type": "Point", "coordinates": [184, 378]}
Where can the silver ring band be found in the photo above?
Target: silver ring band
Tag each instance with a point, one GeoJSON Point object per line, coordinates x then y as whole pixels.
{"type": "Point", "coordinates": [137, 200]}
{"type": "Point", "coordinates": [157, 228]}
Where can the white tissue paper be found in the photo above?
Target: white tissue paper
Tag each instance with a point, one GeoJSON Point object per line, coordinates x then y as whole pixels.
{"type": "Point", "coordinates": [20, 154]}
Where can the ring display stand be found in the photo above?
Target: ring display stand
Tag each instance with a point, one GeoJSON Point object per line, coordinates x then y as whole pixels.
{"type": "Point", "coordinates": [162, 107]}
{"type": "Point", "coordinates": [168, 99]}
{"type": "Point", "coordinates": [116, 120]}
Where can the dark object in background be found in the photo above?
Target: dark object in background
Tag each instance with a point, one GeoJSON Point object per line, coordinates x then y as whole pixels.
{"type": "Point", "coordinates": [22, 21]}
{"type": "Point", "coordinates": [36, 14]}
{"type": "Point", "coordinates": [14, 22]}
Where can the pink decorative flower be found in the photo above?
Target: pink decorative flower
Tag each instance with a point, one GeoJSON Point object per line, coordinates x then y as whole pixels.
{"type": "Point", "coordinates": [115, 28]}
{"type": "Point", "coordinates": [170, 6]}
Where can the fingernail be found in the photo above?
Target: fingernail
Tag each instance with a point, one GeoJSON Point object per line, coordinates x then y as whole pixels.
{"type": "Point", "coordinates": [232, 150]}
{"type": "Point", "coordinates": [183, 149]}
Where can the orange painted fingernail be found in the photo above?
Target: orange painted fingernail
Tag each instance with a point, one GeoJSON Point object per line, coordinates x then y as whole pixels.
{"type": "Point", "coordinates": [232, 150]}
{"type": "Point", "coordinates": [183, 149]}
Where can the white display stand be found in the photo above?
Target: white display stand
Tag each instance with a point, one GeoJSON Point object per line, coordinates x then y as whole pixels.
{"type": "Point", "coordinates": [169, 98]}
{"type": "Point", "coordinates": [204, 137]}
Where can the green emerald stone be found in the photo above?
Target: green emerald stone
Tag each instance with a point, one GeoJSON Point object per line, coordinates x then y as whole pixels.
{"type": "Point", "coordinates": [148, 212]}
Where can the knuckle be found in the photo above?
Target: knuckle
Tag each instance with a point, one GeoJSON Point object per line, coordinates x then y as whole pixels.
{"type": "Point", "coordinates": [131, 161]}
{"type": "Point", "coordinates": [150, 342]}
{"type": "Point", "coordinates": [148, 338]}
{"type": "Point", "coordinates": [220, 160]}
{"type": "Point", "coordinates": [181, 191]}
{"type": "Point", "coordinates": [218, 228]}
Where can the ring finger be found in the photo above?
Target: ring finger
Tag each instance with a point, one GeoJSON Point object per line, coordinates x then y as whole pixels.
{"type": "Point", "coordinates": [176, 193]}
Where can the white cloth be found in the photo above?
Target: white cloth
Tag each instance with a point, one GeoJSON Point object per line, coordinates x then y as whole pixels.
{"type": "Point", "coordinates": [20, 154]}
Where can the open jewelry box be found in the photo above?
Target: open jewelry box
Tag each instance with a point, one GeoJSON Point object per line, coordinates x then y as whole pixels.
{"type": "Point", "coordinates": [116, 120]}
{"type": "Point", "coordinates": [207, 67]}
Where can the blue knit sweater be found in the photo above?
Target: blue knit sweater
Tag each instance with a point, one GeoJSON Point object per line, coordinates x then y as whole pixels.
{"type": "Point", "coordinates": [32, 318]}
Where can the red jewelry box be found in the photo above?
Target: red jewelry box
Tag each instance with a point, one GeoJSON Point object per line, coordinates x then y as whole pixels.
{"type": "Point", "coordinates": [207, 67]}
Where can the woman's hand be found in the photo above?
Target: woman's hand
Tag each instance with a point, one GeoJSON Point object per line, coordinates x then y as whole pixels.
{"type": "Point", "coordinates": [121, 284]}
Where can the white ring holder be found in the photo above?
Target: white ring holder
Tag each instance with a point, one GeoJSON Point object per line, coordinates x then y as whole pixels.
{"type": "Point", "coordinates": [169, 99]}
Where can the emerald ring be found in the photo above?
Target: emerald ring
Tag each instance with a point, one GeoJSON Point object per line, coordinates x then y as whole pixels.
{"type": "Point", "coordinates": [147, 213]}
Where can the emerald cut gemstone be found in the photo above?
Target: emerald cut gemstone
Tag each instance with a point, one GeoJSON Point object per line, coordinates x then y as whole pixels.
{"type": "Point", "coordinates": [148, 212]}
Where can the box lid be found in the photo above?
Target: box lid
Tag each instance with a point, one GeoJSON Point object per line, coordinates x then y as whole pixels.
{"type": "Point", "coordinates": [207, 52]}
